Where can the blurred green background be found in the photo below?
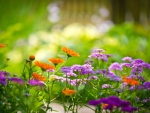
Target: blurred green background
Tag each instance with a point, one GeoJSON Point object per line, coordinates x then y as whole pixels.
{"type": "Point", "coordinates": [41, 28]}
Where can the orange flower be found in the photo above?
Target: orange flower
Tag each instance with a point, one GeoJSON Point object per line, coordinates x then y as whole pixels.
{"type": "Point", "coordinates": [2, 45]}
{"type": "Point", "coordinates": [44, 66]}
{"type": "Point", "coordinates": [38, 77]}
{"type": "Point", "coordinates": [70, 52]}
{"type": "Point", "coordinates": [32, 57]}
{"type": "Point", "coordinates": [130, 81]}
{"type": "Point", "coordinates": [68, 92]}
{"type": "Point", "coordinates": [56, 61]}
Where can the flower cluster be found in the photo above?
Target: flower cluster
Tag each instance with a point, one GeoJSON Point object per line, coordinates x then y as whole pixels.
{"type": "Point", "coordinates": [113, 102]}
{"type": "Point", "coordinates": [109, 86]}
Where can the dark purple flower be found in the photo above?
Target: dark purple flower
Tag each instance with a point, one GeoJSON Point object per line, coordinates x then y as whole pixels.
{"type": "Point", "coordinates": [94, 102]}
{"type": "Point", "coordinates": [3, 76]}
{"type": "Point", "coordinates": [129, 109]}
{"type": "Point", "coordinates": [115, 66]}
{"type": "Point", "coordinates": [137, 61]}
{"type": "Point", "coordinates": [17, 80]}
{"type": "Point", "coordinates": [114, 101]}
{"type": "Point", "coordinates": [127, 59]}
{"type": "Point", "coordinates": [146, 85]}
{"type": "Point", "coordinates": [36, 82]}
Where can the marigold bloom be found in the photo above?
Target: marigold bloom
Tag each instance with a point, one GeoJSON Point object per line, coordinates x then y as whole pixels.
{"type": "Point", "coordinates": [130, 81]}
{"type": "Point", "coordinates": [44, 66]}
{"type": "Point", "coordinates": [68, 92]}
{"type": "Point", "coordinates": [56, 61]}
{"type": "Point", "coordinates": [32, 57]}
{"type": "Point", "coordinates": [38, 77]}
{"type": "Point", "coordinates": [2, 45]}
{"type": "Point", "coordinates": [70, 52]}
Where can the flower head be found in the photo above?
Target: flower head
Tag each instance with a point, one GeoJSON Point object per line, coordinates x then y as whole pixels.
{"type": "Point", "coordinates": [16, 80]}
{"type": "Point", "coordinates": [38, 77]}
{"type": "Point", "coordinates": [70, 52]}
{"type": "Point", "coordinates": [115, 66]}
{"type": "Point", "coordinates": [68, 92]}
{"type": "Point", "coordinates": [127, 59]}
{"type": "Point", "coordinates": [36, 82]}
{"type": "Point", "coordinates": [2, 45]}
{"type": "Point", "coordinates": [3, 77]}
{"type": "Point", "coordinates": [44, 66]}
{"type": "Point", "coordinates": [32, 57]}
{"type": "Point", "coordinates": [56, 61]}
{"type": "Point", "coordinates": [130, 81]}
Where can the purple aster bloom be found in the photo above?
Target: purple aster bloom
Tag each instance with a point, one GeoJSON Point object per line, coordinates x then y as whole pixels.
{"type": "Point", "coordinates": [137, 61]}
{"type": "Point", "coordinates": [127, 59]}
{"type": "Point", "coordinates": [137, 69]}
{"type": "Point", "coordinates": [70, 74]}
{"type": "Point", "coordinates": [114, 101]}
{"type": "Point", "coordinates": [106, 86]}
{"type": "Point", "coordinates": [146, 65]}
{"type": "Point", "coordinates": [100, 56]}
{"type": "Point", "coordinates": [129, 65]}
{"type": "Point", "coordinates": [94, 102]}
{"type": "Point", "coordinates": [36, 82]}
{"type": "Point", "coordinates": [132, 88]}
{"type": "Point", "coordinates": [146, 85]}
{"type": "Point", "coordinates": [115, 78]}
{"type": "Point", "coordinates": [104, 72]}
{"type": "Point", "coordinates": [140, 87]}
{"type": "Point", "coordinates": [3, 80]}
{"type": "Point", "coordinates": [98, 50]}
{"type": "Point", "coordinates": [145, 100]}
{"type": "Point", "coordinates": [17, 80]}
{"type": "Point", "coordinates": [3, 76]}
{"type": "Point", "coordinates": [66, 69]}
{"type": "Point", "coordinates": [115, 66]}
{"type": "Point", "coordinates": [129, 109]}
{"type": "Point", "coordinates": [76, 67]}
{"type": "Point", "coordinates": [93, 78]}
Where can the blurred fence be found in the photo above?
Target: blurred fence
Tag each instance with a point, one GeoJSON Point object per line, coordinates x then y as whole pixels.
{"type": "Point", "coordinates": [118, 11]}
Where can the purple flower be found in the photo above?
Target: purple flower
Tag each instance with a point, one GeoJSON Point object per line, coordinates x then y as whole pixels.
{"type": "Point", "coordinates": [115, 66]}
{"type": "Point", "coordinates": [137, 69]}
{"type": "Point", "coordinates": [93, 78]}
{"type": "Point", "coordinates": [3, 75]}
{"type": "Point", "coordinates": [114, 101]}
{"type": "Point", "coordinates": [127, 59]}
{"type": "Point", "coordinates": [137, 61]}
{"type": "Point", "coordinates": [100, 56]}
{"type": "Point", "coordinates": [146, 85]}
{"type": "Point", "coordinates": [17, 80]}
{"type": "Point", "coordinates": [98, 50]}
{"type": "Point", "coordinates": [94, 102]}
{"type": "Point", "coordinates": [66, 69]}
{"type": "Point", "coordinates": [115, 78]}
{"type": "Point", "coordinates": [106, 86]}
{"type": "Point", "coordinates": [76, 67]}
{"type": "Point", "coordinates": [70, 74]}
{"type": "Point", "coordinates": [129, 65]}
{"type": "Point", "coordinates": [146, 65]}
{"type": "Point", "coordinates": [36, 82]}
